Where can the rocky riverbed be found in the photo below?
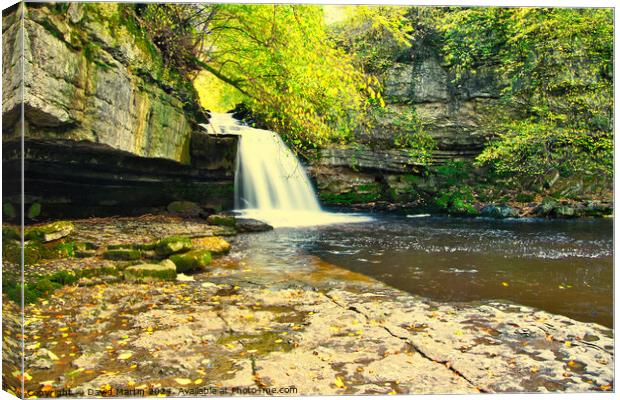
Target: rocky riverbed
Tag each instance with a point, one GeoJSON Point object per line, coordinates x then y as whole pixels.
{"type": "Point", "coordinates": [233, 327]}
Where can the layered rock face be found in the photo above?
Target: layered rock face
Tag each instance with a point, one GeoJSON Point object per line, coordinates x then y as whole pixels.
{"type": "Point", "coordinates": [453, 114]}
{"type": "Point", "coordinates": [94, 84]}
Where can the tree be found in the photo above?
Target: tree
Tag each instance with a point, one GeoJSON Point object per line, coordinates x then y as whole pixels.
{"type": "Point", "coordinates": [557, 103]}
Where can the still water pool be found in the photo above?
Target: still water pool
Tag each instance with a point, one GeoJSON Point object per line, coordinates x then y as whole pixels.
{"type": "Point", "coordinates": [561, 266]}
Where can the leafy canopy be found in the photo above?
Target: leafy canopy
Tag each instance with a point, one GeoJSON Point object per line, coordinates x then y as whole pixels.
{"type": "Point", "coordinates": [557, 100]}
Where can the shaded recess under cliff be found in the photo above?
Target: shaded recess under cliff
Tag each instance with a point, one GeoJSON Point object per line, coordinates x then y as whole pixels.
{"type": "Point", "coordinates": [108, 127]}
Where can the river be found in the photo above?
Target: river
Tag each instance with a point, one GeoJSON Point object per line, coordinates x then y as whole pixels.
{"type": "Point", "coordinates": [560, 266]}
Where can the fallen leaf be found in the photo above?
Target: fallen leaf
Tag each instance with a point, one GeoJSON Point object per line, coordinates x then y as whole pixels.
{"type": "Point", "coordinates": [339, 383]}
{"type": "Point", "coordinates": [505, 284]}
{"type": "Point", "coordinates": [124, 356]}
{"type": "Point", "coordinates": [183, 381]}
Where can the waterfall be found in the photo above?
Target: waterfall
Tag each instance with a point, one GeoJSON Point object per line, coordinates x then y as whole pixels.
{"type": "Point", "coordinates": [271, 184]}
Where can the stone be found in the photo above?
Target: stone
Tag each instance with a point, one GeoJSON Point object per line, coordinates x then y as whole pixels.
{"type": "Point", "coordinates": [215, 244]}
{"type": "Point", "coordinates": [551, 178]}
{"type": "Point", "coordinates": [545, 208]}
{"type": "Point", "coordinates": [221, 220]}
{"type": "Point", "coordinates": [8, 211]}
{"type": "Point", "coordinates": [49, 232]}
{"type": "Point", "coordinates": [34, 211]}
{"type": "Point", "coordinates": [172, 245]}
{"type": "Point", "coordinates": [142, 115]}
{"type": "Point", "coordinates": [184, 208]}
{"type": "Point", "coordinates": [597, 209]}
{"type": "Point", "coordinates": [499, 211]}
{"type": "Point", "coordinates": [252, 225]}
{"type": "Point", "coordinates": [150, 272]}
{"type": "Point", "coordinates": [76, 12]}
{"type": "Point", "coordinates": [191, 261]}
{"type": "Point", "coordinates": [564, 212]}
{"type": "Point", "coordinates": [122, 254]}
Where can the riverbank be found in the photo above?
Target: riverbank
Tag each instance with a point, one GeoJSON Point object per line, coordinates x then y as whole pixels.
{"type": "Point", "coordinates": [259, 328]}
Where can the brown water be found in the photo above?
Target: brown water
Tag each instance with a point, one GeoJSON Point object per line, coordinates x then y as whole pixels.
{"type": "Point", "coordinates": [564, 267]}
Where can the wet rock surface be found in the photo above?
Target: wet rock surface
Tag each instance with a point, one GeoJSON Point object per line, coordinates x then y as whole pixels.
{"type": "Point", "coordinates": [247, 328]}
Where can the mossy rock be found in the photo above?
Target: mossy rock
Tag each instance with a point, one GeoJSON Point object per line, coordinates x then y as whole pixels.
{"type": "Point", "coordinates": [150, 272]}
{"type": "Point", "coordinates": [172, 245]}
{"type": "Point", "coordinates": [122, 254]}
{"type": "Point", "coordinates": [34, 211]}
{"type": "Point", "coordinates": [215, 244]}
{"type": "Point", "coordinates": [8, 211]}
{"type": "Point", "coordinates": [192, 261]}
{"type": "Point", "coordinates": [10, 233]}
{"type": "Point", "coordinates": [184, 208]}
{"type": "Point", "coordinates": [84, 249]}
{"type": "Point", "coordinates": [221, 220]}
{"type": "Point", "coordinates": [49, 232]}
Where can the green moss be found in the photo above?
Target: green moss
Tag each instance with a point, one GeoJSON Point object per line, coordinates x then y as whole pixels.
{"type": "Point", "coordinates": [191, 261]}
{"type": "Point", "coordinates": [524, 197]}
{"type": "Point", "coordinates": [349, 198]}
{"type": "Point", "coordinates": [122, 254]}
{"type": "Point", "coordinates": [34, 211]}
{"type": "Point", "coordinates": [10, 233]}
{"type": "Point", "coordinates": [172, 245]}
{"type": "Point", "coordinates": [8, 211]}
{"type": "Point", "coordinates": [48, 232]}
{"type": "Point", "coordinates": [221, 220]}
{"type": "Point", "coordinates": [150, 272]}
{"type": "Point", "coordinates": [51, 28]}
{"type": "Point", "coordinates": [263, 343]}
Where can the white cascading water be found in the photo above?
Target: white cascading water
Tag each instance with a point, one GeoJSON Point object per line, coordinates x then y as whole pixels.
{"type": "Point", "coordinates": [270, 183]}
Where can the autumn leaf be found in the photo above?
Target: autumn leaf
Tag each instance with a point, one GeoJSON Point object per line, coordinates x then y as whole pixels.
{"type": "Point", "coordinates": [124, 356]}
{"type": "Point", "coordinates": [339, 383]}
{"type": "Point", "coordinates": [183, 381]}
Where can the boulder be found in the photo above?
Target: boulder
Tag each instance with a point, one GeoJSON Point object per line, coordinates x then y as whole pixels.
{"type": "Point", "coordinates": [221, 220]}
{"type": "Point", "coordinates": [597, 209]}
{"type": "Point", "coordinates": [499, 211]}
{"type": "Point", "coordinates": [545, 208]}
{"type": "Point", "coordinates": [172, 245]}
{"type": "Point", "coordinates": [184, 208]}
{"type": "Point", "coordinates": [192, 260]}
{"type": "Point", "coordinates": [151, 272]}
{"type": "Point", "coordinates": [85, 249]}
{"type": "Point", "coordinates": [122, 254]}
{"type": "Point", "coordinates": [252, 225]}
{"type": "Point", "coordinates": [215, 244]}
{"type": "Point", "coordinates": [34, 211]}
{"type": "Point", "coordinates": [564, 212]}
{"type": "Point", "coordinates": [49, 232]}
{"type": "Point", "coordinates": [8, 211]}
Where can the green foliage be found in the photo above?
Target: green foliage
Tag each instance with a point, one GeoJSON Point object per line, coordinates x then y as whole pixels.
{"type": "Point", "coordinates": [349, 198]}
{"type": "Point", "coordinates": [8, 211]}
{"type": "Point", "coordinates": [457, 200]}
{"type": "Point", "coordinates": [34, 211]}
{"type": "Point", "coordinates": [409, 132]}
{"type": "Point", "coordinates": [376, 35]}
{"type": "Point", "coordinates": [557, 100]}
{"type": "Point", "coordinates": [294, 78]}
{"type": "Point", "coordinates": [527, 148]}
{"type": "Point", "coordinates": [453, 172]}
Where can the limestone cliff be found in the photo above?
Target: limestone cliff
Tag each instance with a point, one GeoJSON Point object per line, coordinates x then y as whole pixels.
{"type": "Point", "coordinates": [108, 127]}
{"type": "Point", "coordinates": [90, 74]}
{"type": "Point", "coordinates": [453, 114]}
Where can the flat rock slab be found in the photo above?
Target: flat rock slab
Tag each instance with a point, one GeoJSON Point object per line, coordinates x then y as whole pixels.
{"type": "Point", "coordinates": [246, 328]}
{"type": "Point", "coordinates": [183, 336]}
